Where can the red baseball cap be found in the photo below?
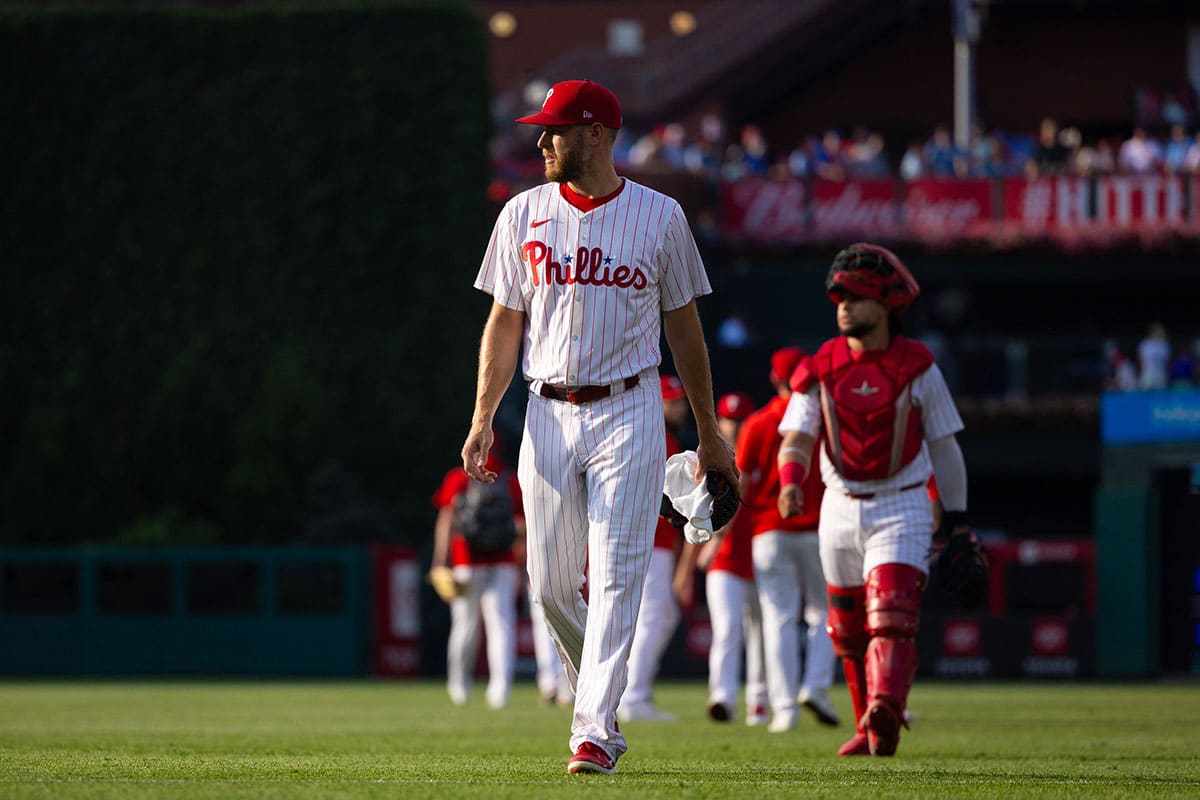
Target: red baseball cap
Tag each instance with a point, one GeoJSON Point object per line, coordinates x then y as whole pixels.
{"type": "Point", "coordinates": [672, 388]}
{"type": "Point", "coordinates": [735, 405]}
{"type": "Point", "coordinates": [577, 103]}
{"type": "Point", "coordinates": [784, 361]}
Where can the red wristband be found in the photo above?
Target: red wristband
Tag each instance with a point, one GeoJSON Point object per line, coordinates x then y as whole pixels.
{"type": "Point", "coordinates": [792, 472]}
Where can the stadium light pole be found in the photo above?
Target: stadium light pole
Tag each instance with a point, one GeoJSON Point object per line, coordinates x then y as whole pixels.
{"type": "Point", "coordinates": [966, 33]}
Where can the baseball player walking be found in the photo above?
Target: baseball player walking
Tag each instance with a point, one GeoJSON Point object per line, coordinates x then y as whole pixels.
{"type": "Point", "coordinates": [585, 272]}
{"type": "Point", "coordinates": [887, 419]}
{"type": "Point", "coordinates": [730, 595]}
{"type": "Point", "coordinates": [484, 585]}
{"type": "Point", "coordinates": [787, 565]}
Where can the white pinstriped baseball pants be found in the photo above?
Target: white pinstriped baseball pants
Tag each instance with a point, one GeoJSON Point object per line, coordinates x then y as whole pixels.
{"type": "Point", "coordinates": [858, 535]}
{"type": "Point", "coordinates": [592, 477]}
{"type": "Point", "coordinates": [658, 617]}
{"type": "Point", "coordinates": [491, 595]}
{"type": "Point", "coordinates": [551, 678]}
{"type": "Point", "coordinates": [736, 619]}
{"type": "Point", "coordinates": [787, 569]}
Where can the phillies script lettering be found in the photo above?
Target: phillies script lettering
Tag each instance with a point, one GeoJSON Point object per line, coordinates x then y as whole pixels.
{"type": "Point", "coordinates": [591, 267]}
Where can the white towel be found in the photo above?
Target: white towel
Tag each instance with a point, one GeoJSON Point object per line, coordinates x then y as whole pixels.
{"type": "Point", "coordinates": [689, 498]}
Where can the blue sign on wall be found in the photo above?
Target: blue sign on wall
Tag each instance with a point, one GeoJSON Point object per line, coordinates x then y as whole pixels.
{"type": "Point", "coordinates": [1153, 416]}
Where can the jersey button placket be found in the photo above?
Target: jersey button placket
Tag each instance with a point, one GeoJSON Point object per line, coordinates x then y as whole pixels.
{"type": "Point", "coordinates": [576, 333]}
{"type": "Point", "coordinates": [573, 350]}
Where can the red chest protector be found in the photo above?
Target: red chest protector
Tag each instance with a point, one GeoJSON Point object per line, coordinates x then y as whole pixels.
{"type": "Point", "coordinates": [872, 428]}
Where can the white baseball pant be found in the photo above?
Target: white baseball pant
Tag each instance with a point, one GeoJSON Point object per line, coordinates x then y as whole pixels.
{"type": "Point", "coordinates": [591, 477]}
{"type": "Point", "coordinates": [787, 569]}
{"type": "Point", "coordinates": [736, 619]}
{"type": "Point", "coordinates": [657, 619]}
{"type": "Point", "coordinates": [551, 677]}
{"type": "Point", "coordinates": [490, 592]}
{"type": "Point", "coordinates": [858, 535]}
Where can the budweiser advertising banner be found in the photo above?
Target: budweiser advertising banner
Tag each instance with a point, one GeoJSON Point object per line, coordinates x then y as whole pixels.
{"type": "Point", "coordinates": [939, 209]}
{"type": "Point", "coordinates": [763, 210]}
{"type": "Point", "coordinates": [848, 208]}
{"type": "Point", "coordinates": [793, 211]}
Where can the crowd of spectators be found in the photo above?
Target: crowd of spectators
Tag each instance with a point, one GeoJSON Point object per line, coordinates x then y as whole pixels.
{"type": "Point", "coordinates": [1159, 141]}
{"type": "Point", "coordinates": [864, 153]}
{"type": "Point", "coordinates": [1154, 364]}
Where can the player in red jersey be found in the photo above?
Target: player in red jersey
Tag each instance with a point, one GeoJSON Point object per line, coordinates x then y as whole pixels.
{"type": "Point", "coordinates": [787, 565]}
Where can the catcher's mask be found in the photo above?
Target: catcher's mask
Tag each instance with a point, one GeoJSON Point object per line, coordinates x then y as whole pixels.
{"type": "Point", "coordinates": [869, 270]}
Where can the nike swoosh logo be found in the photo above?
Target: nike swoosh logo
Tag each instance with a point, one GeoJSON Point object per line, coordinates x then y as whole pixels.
{"type": "Point", "coordinates": [539, 223]}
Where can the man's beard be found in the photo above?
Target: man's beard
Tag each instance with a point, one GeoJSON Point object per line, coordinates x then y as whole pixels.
{"type": "Point", "coordinates": [857, 330]}
{"type": "Point", "coordinates": [565, 168]}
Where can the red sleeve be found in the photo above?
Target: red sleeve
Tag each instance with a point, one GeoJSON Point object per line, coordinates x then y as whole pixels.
{"type": "Point", "coordinates": [803, 376]}
{"type": "Point", "coordinates": [454, 482]}
{"type": "Point", "coordinates": [754, 449]}
{"type": "Point", "coordinates": [743, 450]}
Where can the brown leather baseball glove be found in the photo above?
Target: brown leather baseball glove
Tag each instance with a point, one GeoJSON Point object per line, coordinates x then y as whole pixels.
{"type": "Point", "coordinates": [725, 498]}
{"type": "Point", "coordinates": [963, 568]}
{"type": "Point", "coordinates": [443, 582]}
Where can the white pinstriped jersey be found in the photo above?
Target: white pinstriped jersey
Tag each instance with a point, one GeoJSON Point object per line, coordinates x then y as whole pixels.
{"type": "Point", "coordinates": [593, 284]}
{"type": "Point", "coordinates": [939, 417]}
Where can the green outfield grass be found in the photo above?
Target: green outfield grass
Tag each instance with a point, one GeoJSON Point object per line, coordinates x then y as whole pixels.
{"type": "Point", "coordinates": [376, 739]}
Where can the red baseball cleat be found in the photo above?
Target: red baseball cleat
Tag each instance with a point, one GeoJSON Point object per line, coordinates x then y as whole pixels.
{"type": "Point", "coordinates": [591, 758]}
{"type": "Point", "coordinates": [883, 722]}
{"type": "Point", "coordinates": [856, 745]}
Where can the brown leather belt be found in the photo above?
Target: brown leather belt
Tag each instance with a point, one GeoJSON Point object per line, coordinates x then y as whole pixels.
{"type": "Point", "coordinates": [869, 495]}
{"type": "Point", "coordinates": [583, 394]}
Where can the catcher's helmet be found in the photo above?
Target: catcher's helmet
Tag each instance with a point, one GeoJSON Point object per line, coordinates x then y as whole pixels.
{"type": "Point", "coordinates": [869, 270]}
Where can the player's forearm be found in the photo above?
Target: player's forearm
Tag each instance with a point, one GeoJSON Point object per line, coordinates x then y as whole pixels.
{"type": "Point", "coordinates": [795, 457]}
{"type": "Point", "coordinates": [441, 538]}
{"type": "Point", "coordinates": [951, 472]}
{"type": "Point", "coordinates": [498, 352]}
{"type": "Point", "coordinates": [685, 337]}
{"type": "Point", "coordinates": [689, 554]}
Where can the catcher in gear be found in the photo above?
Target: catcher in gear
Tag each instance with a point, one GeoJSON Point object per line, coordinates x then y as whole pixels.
{"type": "Point", "coordinates": [885, 419]}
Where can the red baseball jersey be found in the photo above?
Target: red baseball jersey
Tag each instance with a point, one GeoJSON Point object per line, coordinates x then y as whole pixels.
{"type": "Point", "coordinates": [757, 451]}
{"type": "Point", "coordinates": [454, 484]}
{"type": "Point", "coordinates": [734, 554]}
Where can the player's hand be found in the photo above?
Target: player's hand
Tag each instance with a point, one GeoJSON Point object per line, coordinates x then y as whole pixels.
{"type": "Point", "coordinates": [475, 454]}
{"type": "Point", "coordinates": [715, 452]}
{"type": "Point", "coordinates": [791, 500]}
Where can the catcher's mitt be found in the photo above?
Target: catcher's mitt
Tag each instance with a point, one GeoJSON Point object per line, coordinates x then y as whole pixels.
{"type": "Point", "coordinates": [962, 567]}
{"type": "Point", "coordinates": [725, 498]}
{"type": "Point", "coordinates": [442, 581]}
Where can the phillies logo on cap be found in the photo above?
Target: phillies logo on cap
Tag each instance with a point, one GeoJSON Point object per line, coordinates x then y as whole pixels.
{"type": "Point", "coordinates": [735, 406]}
{"type": "Point", "coordinates": [577, 103]}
